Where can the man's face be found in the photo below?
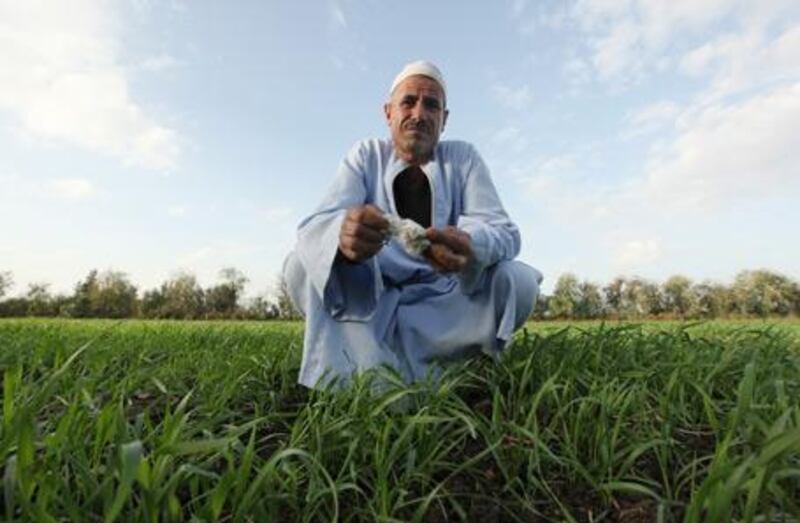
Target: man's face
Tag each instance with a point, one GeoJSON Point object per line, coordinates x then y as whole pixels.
{"type": "Point", "coordinates": [416, 116]}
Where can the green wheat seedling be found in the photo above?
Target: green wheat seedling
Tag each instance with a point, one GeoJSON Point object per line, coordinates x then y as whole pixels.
{"type": "Point", "coordinates": [171, 421]}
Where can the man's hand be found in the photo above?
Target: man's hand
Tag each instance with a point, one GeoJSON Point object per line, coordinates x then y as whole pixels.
{"type": "Point", "coordinates": [363, 233]}
{"type": "Point", "coordinates": [450, 250]}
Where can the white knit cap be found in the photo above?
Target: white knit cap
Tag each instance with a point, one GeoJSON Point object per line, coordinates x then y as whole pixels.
{"type": "Point", "coordinates": [421, 67]}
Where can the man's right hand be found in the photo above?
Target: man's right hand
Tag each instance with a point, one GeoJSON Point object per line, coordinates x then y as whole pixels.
{"type": "Point", "coordinates": [363, 233]}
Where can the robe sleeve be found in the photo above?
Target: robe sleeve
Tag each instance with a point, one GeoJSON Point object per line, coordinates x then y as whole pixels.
{"type": "Point", "coordinates": [348, 291]}
{"type": "Point", "coordinates": [494, 236]}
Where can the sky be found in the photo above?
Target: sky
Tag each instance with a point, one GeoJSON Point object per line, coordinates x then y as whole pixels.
{"type": "Point", "coordinates": [625, 137]}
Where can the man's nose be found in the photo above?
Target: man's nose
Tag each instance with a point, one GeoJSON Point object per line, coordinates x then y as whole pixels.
{"type": "Point", "coordinates": [418, 111]}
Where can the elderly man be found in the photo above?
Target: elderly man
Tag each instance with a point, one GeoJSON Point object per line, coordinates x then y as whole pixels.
{"type": "Point", "coordinates": [370, 299]}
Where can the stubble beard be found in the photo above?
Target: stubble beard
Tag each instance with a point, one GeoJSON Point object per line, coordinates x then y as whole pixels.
{"type": "Point", "coordinates": [417, 150]}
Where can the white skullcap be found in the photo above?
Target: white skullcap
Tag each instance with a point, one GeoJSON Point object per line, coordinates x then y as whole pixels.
{"type": "Point", "coordinates": [421, 67]}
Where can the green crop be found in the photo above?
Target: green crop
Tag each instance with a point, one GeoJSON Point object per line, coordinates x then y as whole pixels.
{"type": "Point", "coordinates": [172, 421]}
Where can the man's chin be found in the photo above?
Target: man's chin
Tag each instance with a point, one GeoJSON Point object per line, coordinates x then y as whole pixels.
{"type": "Point", "coordinates": [418, 151]}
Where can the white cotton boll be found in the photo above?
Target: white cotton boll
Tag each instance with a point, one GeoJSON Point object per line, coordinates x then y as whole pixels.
{"type": "Point", "coordinates": [409, 233]}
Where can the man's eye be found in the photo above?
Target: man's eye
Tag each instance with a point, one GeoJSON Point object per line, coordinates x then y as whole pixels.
{"type": "Point", "coordinates": [407, 102]}
{"type": "Point", "coordinates": [432, 104]}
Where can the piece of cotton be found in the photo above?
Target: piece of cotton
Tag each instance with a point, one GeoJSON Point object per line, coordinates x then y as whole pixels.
{"type": "Point", "coordinates": [409, 233]}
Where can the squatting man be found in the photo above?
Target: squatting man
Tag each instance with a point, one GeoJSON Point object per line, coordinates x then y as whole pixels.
{"type": "Point", "coordinates": [408, 260]}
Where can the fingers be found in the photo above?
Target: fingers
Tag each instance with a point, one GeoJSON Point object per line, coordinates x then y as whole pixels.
{"type": "Point", "coordinates": [455, 239]}
{"type": "Point", "coordinates": [363, 232]}
{"type": "Point", "coordinates": [365, 229]}
{"type": "Point", "coordinates": [450, 250]}
{"type": "Point", "coordinates": [445, 260]}
{"type": "Point", "coordinates": [370, 216]}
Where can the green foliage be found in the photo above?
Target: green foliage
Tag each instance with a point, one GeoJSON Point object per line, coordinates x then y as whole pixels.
{"type": "Point", "coordinates": [106, 295]}
{"type": "Point", "coordinates": [40, 302]}
{"type": "Point", "coordinates": [183, 298]}
{"type": "Point", "coordinates": [590, 303]}
{"type": "Point", "coordinates": [566, 295]}
{"type": "Point", "coordinates": [6, 282]}
{"type": "Point", "coordinates": [764, 293]}
{"type": "Point", "coordinates": [573, 299]}
{"type": "Point", "coordinates": [678, 296]}
{"type": "Point", "coordinates": [285, 307]}
{"type": "Point", "coordinates": [172, 421]}
{"type": "Point", "coordinates": [222, 300]}
{"type": "Point", "coordinates": [712, 300]}
{"type": "Point", "coordinates": [111, 295]}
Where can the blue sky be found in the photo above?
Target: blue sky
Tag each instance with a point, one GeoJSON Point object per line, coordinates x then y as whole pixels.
{"type": "Point", "coordinates": [630, 137]}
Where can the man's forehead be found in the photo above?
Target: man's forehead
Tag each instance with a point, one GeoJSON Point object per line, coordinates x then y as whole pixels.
{"type": "Point", "coordinates": [419, 84]}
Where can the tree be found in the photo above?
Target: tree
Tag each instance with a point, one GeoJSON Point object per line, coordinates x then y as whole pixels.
{"type": "Point", "coordinates": [641, 298]}
{"type": "Point", "coordinates": [655, 300]}
{"type": "Point", "coordinates": [633, 297]}
{"type": "Point", "coordinates": [39, 300]}
{"type": "Point", "coordinates": [613, 294]}
{"type": "Point", "coordinates": [152, 303]}
{"type": "Point", "coordinates": [763, 293]}
{"type": "Point", "coordinates": [106, 295]}
{"type": "Point", "coordinates": [6, 282]}
{"type": "Point", "coordinates": [182, 298]}
{"type": "Point", "coordinates": [566, 296]}
{"type": "Point", "coordinates": [16, 307]}
{"type": "Point", "coordinates": [222, 300]}
{"type": "Point", "coordinates": [116, 297]}
{"type": "Point", "coordinates": [796, 298]}
{"type": "Point", "coordinates": [261, 308]}
{"type": "Point", "coordinates": [286, 308]}
{"type": "Point", "coordinates": [541, 311]}
{"type": "Point", "coordinates": [85, 294]}
{"type": "Point", "coordinates": [590, 301]}
{"type": "Point", "coordinates": [711, 300]}
{"type": "Point", "coordinates": [678, 296]}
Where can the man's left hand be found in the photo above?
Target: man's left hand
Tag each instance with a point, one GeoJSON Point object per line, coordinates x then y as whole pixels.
{"type": "Point", "coordinates": [450, 250]}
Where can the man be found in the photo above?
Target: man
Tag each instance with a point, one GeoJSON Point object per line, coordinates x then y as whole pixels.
{"type": "Point", "coordinates": [366, 300]}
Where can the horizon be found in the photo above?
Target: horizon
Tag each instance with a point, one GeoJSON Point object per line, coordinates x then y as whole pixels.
{"type": "Point", "coordinates": [16, 291]}
{"type": "Point", "coordinates": [633, 138]}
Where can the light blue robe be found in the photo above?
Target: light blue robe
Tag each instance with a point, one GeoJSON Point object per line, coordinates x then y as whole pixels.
{"type": "Point", "coordinates": [395, 309]}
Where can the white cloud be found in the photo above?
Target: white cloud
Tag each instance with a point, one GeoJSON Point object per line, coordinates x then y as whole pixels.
{"type": "Point", "coordinates": [346, 50]}
{"type": "Point", "coordinates": [577, 71]}
{"type": "Point", "coordinates": [178, 211]}
{"type": "Point", "coordinates": [635, 254]}
{"type": "Point", "coordinates": [741, 62]}
{"type": "Point", "coordinates": [275, 215]}
{"type": "Point", "coordinates": [629, 39]}
{"type": "Point", "coordinates": [519, 98]}
{"type": "Point", "coordinates": [616, 52]}
{"type": "Point", "coordinates": [510, 138]}
{"type": "Point", "coordinates": [557, 185]}
{"type": "Point", "coordinates": [251, 257]}
{"type": "Point", "coordinates": [626, 37]}
{"type": "Point", "coordinates": [651, 118]}
{"type": "Point", "coordinates": [70, 188]}
{"type": "Point", "coordinates": [518, 7]}
{"type": "Point", "coordinates": [61, 79]}
{"type": "Point", "coordinates": [160, 62]}
{"type": "Point", "coordinates": [337, 16]}
{"type": "Point", "coordinates": [8, 179]}
{"type": "Point", "coordinates": [545, 181]}
{"type": "Point", "coordinates": [722, 158]}
{"type": "Point", "coordinates": [730, 151]}
{"type": "Point", "coordinates": [197, 256]}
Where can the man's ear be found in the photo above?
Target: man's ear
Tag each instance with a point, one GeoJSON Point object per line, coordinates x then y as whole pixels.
{"type": "Point", "coordinates": [444, 119]}
{"type": "Point", "coordinates": [387, 112]}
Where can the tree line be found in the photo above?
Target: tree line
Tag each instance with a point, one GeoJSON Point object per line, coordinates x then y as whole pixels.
{"type": "Point", "coordinates": [756, 293]}
{"type": "Point", "coordinates": [110, 294]}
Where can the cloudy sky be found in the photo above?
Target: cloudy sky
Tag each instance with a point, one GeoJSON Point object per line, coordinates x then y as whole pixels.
{"type": "Point", "coordinates": [646, 137]}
